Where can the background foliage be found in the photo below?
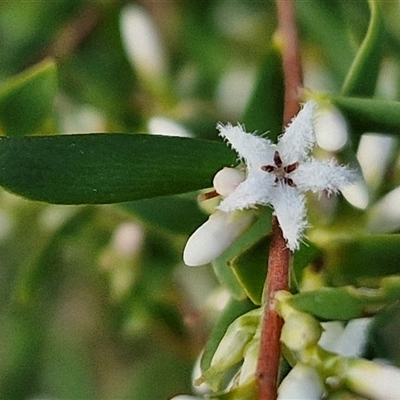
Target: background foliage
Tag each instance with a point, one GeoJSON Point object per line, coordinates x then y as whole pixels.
{"type": "Point", "coordinates": [95, 301]}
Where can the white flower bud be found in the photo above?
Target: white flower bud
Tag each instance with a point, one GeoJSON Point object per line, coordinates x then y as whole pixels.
{"type": "Point", "coordinates": [302, 382]}
{"type": "Point", "coordinates": [212, 238]}
{"type": "Point", "coordinates": [142, 43]}
{"type": "Point", "coordinates": [249, 365]}
{"type": "Point", "coordinates": [239, 333]}
{"type": "Point", "coordinates": [372, 380]}
{"type": "Point", "coordinates": [384, 215]}
{"type": "Point", "coordinates": [330, 129]}
{"type": "Point", "coordinates": [227, 180]}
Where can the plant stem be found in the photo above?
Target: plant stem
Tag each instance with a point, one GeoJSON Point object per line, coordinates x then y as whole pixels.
{"type": "Point", "coordinates": [279, 255]}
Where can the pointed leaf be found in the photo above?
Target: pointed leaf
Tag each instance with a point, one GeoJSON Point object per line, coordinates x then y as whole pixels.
{"type": "Point", "coordinates": [370, 115]}
{"type": "Point", "coordinates": [348, 302]}
{"type": "Point", "coordinates": [108, 168]}
{"type": "Point", "coordinates": [363, 74]}
{"type": "Point", "coordinates": [26, 100]}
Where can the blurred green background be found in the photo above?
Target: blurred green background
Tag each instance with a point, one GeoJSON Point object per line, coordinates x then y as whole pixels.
{"type": "Point", "coordinates": [95, 302]}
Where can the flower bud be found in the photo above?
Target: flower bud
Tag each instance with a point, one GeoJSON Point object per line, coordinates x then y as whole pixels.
{"type": "Point", "coordinates": [212, 238]}
{"type": "Point", "coordinates": [300, 331]}
{"type": "Point", "coordinates": [231, 348]}
{"type": "Point", "coordinates": [249, 366]}
{"type": "Point", "coordinates": [372, 380]}
{"type": "Point", "coordinates": [237, 336]}
{"type": "Point", "coordinates": [226, 180]}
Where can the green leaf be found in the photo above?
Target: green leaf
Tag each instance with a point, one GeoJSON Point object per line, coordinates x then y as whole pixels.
{"type": "Point", "coordinates": [175, 214]}
{"type": "Point", "coordinates": [108, 168]}
{"type": "Point", "coordinates": [26, 99]}
{"type": "Point", "coordinates": [234, 272]}
{"type": "Point", "coordinates": [348, 302]}
{"type": "Point", "coordinates": [369, 115]}
{"type": "Point", "coordinates": [355, 259]}
{"type": "Point", "coordinates": [250, 268]}
{"type": "Point", "coordinates": [233, 310]}
{"type": "Point", "coordinates": [264, 111]}
{"type": "Point", "coordinates": [363, 73]}
{"type": "Point", "coordinates": [324, 25]}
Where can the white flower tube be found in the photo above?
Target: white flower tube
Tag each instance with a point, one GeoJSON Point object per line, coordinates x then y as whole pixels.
{"type": "Point", "coordinates": [372, 380]}
{"type": "Point", "coordinates": [302, 382]}
{"type": "Point", "coordinates": [212, 238]}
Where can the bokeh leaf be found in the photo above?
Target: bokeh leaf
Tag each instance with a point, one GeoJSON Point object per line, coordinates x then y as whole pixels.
{"type": "Point", "coordinates": [369, 115]}
{"type": "Point", "coordinates": [356, 259]}
{"type": "Point", "coordinates": [363, 73]}
{"type": "Point", "coordinates": [325, 26]}
{"type": "Point", "coordinates": [264, 111]}
{"type": "Point", "coordinates": [108, 168]}
{"type": "Point", "coordinates": [26, 99]}
{"type": "Point", "coordinates": [172, 213]}
{"type": "Point", "coordinates": [348, 302]}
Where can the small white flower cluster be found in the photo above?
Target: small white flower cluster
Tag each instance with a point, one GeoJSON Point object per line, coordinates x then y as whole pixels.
{"type": "Point", "coordinates": [277, 175]}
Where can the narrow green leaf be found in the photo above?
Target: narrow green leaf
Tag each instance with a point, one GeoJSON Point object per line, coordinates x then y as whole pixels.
{"type": "Point", "coordinates": [108, 168]}
{"type": "Point", "coordinates": [363, 73]}
{"type": "Point", "coordinates": [233, 310]}
{"type": "Point", "coordinates": [353, 260]}
{"type": "Point", "coordinates": [264, 111]}
{"type": "Point", "coordinates": [348, 302]}
{"type": "Point", "coordinates": [26, 99]}
{"type": "Point", "coordinates": [370, 115]}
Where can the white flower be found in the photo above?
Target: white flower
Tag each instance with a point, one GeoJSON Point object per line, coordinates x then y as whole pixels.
{"type": "Point", "coordinates": [278, 175]}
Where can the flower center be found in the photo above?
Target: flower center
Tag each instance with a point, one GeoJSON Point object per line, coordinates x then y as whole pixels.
{"type": "Point", "coordinates": [281, 173]}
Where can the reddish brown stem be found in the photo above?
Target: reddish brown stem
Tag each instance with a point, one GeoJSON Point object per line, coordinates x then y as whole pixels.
{"type": "Point", "coordinates": [291, 58]}
{"type": "Point", "coordinates": [278, 277]}
{"type": "Point", "coordinates": [279, 256]}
